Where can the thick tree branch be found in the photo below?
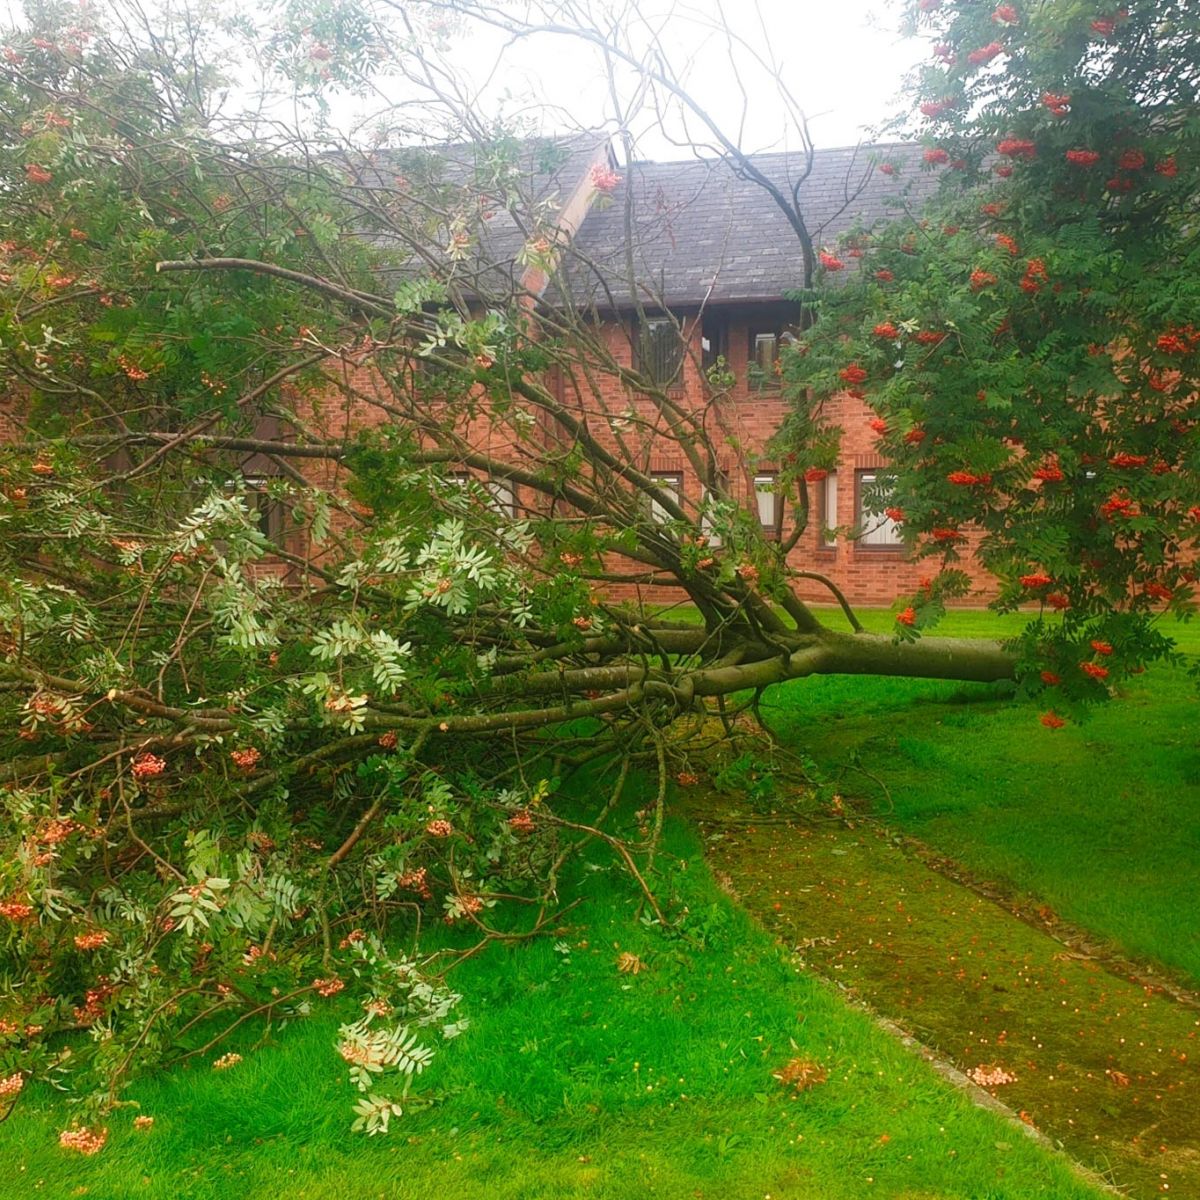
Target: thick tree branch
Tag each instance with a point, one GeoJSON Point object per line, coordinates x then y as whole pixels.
{"type": "Point", "coordinates": [364, 302]}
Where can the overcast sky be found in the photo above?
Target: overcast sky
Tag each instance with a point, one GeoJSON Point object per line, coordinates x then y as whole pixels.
{"type": "Point", "coordinates": [842, 61]}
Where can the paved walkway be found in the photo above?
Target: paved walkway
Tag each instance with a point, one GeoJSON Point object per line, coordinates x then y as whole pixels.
{"type": "Point", "coordinates": [1106, 1066]}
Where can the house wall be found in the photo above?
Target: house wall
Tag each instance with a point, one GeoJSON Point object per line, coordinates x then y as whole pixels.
{"type": "Point", "coordinates": [748, 417]}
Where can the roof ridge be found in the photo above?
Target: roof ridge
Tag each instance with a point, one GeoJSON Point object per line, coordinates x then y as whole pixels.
{"type": "Point", "coordinates": [532, 140]}
{"type": "Point", "coordinates": [818, 151]}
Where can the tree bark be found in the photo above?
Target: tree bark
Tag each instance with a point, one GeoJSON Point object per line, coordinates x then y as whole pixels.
{"type": "Point", "coordinates": [970, 659]}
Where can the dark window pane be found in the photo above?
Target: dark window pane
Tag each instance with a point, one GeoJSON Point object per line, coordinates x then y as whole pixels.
{"type": "Point", "coordinates": [714, 342]}
{"type": "Point", "coordinates": [266, 512]}
{"type": "Point", "coordinates": [660, 351]}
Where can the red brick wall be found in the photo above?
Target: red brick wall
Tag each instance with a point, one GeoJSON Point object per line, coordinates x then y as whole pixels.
{"type": "Point", "coordinates": [740, 425]}
{"type": "Point", "coordinates": [747, 419]}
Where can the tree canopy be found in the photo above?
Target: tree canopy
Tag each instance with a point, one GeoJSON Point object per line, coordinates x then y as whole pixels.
{"type": "Point", "coordinates": [234, 759]}
{"type": "Point", "coordinates": [1029, 341]}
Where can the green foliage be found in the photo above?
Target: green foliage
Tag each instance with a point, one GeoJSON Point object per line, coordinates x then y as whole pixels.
{"type": "Point", "coordinates": [1028, 342]}
{"type": "Point", "coordinates": [749, 777]}
{"type": "Point", "coordinates": [283, 673]}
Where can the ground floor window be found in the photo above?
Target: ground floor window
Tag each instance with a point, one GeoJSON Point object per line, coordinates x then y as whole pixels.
{"type": "Point", "coordinates": [876, 529]}
{"type": "Point", "coordinates": [671, 484]}
{"type": "Point", "coordinates": [827, 505]}
{"type": "Point", "coordinates": [500, 495]}
{"type": "Point", "coordinates": [503, 497]}
{"type": "Point", "coordinates": [768, 501]}
{"type": "Point", "coordinates": [266, 511]}
{"type": "Point", "coordinates": [707, 505]}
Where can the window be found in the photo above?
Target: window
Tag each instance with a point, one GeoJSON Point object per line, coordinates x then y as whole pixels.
{"type": "Point", "coordinates": [828, 503]}
{"type": "Point", "coordinates": [660, 351]}
{"type": "Point", "coordinates": [455, 489]}
{"type": "Point", "coordinates": [707, 504]}
{"type": "Point", "coordinates": [768, 501]}
{"type": "Point", "coordinates": [876, 529]}
{"type": "Point", "coordinates": [765, 351]}
{"type": "Point", "coordinates": [499, 495]}
{"type": "Point", "coordinates": [670, 482]}
{"type": "Point", "coordinates": [261, 486]}
{"type": "Point", "coordinates": [502, 498]}
{"type": "Point", "coordinates": [762, 370]}
{"type": "Point", "coordinates": [714, 342]}
{"type": "Point", "coordinates": [265, 510]}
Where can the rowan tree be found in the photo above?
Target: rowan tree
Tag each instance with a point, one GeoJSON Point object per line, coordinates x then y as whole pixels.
{"type": "Point", "coordinates": [236, 758]}
{"type": "Point", "coordinates": [1029, 342]}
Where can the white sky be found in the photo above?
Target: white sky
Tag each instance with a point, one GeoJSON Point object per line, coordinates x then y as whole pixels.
{"type": "Point", "coordinates": [841, 59]}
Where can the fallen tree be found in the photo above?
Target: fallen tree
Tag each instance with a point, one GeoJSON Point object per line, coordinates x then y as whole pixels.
{"type": "Point", "coordinates": [282, 666]}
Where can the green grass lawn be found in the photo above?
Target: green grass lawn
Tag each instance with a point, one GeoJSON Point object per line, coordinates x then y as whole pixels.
{"type": "Point", "coordinates": [574, 1080]}
{"type": "Point", "coordinates": [1101, 821]}
{"type": "Point", "coordinates": [577, 1080]}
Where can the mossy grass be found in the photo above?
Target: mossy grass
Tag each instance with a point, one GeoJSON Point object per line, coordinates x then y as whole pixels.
{"type": "Point", "coordinates": [1100, 821]}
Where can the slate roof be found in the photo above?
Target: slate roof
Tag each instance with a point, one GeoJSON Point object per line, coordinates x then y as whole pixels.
{"type": "Point", "coordinates": [546, 169]}
{"type": "Point", "coordinates": [701, 232]}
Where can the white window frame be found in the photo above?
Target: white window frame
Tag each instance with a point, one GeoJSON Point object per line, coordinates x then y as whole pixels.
{"type": "Point", "coordinates": [829, 511]}
{"type": "Point", "coordinates": [876, 530]}
{"type": "Point", "coordinates": [670, 482]}
{"type": "Point", "coordinates": [764, 496]}
{"type": "Point", "coordinates": [502, 497]}
{"type": "Point", "coordinates": [707, 500]}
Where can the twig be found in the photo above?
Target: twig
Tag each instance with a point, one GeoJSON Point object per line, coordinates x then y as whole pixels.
{"type": "Point", "coordinates": [621, 849]}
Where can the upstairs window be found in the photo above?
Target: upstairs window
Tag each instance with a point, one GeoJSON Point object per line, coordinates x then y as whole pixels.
{"type": "Point", "coordinates": [766, 341]}
{"type": "Point", "coordinates": [714, 343]}
{"type": "Point", "coordinates": [877, 530]}
{"type": "Point", "coordinates": [660, 351]}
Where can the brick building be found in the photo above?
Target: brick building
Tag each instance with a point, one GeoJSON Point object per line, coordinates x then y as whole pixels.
{"type": "Point", "coordinates": [684, 265]}
{"type": "Point", "coordinates": [676, 268]}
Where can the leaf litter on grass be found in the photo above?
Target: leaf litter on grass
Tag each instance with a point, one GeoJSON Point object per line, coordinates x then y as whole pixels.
{"type": "Point", "coordinates": [1106, 1066]}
